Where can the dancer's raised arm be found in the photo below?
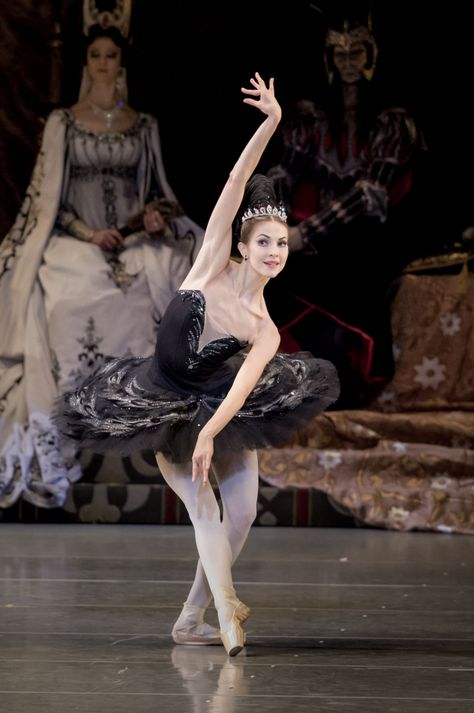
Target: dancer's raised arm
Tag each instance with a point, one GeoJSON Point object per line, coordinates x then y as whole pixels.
{"type": "Point", "coordinates": [216, 249]}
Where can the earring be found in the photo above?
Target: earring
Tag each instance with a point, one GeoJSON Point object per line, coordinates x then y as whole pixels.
{"type": "Point", "coordinates": [246, 257]}
{"type": "Point", "coordinates": [121, 85]}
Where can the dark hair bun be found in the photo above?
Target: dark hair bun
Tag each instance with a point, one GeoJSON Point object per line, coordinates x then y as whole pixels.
{"type": "Point", "coordinates": [259, 191]}
{"type": "Point", "coordinates": [97, 31]}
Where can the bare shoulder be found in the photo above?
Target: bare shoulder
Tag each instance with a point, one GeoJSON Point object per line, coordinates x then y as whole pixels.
{"type": "Point", "coordinates": [268, 332]}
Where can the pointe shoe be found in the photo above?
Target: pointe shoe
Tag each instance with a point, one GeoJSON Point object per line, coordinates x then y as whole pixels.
{"type": "Point", "coordinates": [194, 631]}
{"type": "Point", "coordinates": [233, 638]}
{"type": "Point", "coordinates": [197, 635]}
{"type": "Point", "coordinates": [191, 629]}
{"type": "Point", "coordinates": [232, 634]}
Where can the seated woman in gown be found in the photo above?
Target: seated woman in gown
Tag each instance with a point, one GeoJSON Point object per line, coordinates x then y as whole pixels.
{"type": "Point", "coordinates": [73, 289]}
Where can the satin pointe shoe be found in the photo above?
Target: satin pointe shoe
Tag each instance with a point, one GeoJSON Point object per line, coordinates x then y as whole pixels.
{"type": "Point", "coordinates": [231, 612]}
{"type": "Point", "coordinates": [198, 635]}
{"type": "Point", "coordinates": [233, 637]}
{"type": "Point", "coordinates": [191, 630]}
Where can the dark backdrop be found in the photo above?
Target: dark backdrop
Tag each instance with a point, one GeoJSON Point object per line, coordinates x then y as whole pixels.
{"type": "Point", "coordinates": [188, 60]}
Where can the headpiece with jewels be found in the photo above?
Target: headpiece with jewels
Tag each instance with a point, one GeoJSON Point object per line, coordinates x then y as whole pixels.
{"type": "Point", "coordinates": [113, 16]}
{"type": "Point", "coordinates": [107, 13]}
{"type": "Point", "coordinates": [361, 34]}
{"type": "Point", "coordinates": [347, 37]}
{"type": "Point", "coordinates": [348, 24]}
{"type": "Point", "coordinates": [264, 211]}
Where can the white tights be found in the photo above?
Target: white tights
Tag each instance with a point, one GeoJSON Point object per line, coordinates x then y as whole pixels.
{"type": "Point", "coordinates": [219, 541]}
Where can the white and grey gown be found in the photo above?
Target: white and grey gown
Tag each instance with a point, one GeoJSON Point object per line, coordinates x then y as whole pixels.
{"type": "Point", "coordinates": [70, 304]}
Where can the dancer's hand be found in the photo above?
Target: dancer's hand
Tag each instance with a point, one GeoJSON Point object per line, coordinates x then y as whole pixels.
{"type": "Point", "coordinates": [266, 101]}
{"type": "Point", "coordinates": [202, 456]}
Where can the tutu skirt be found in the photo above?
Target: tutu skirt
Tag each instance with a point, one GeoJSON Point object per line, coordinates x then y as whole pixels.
{"type": "Point", "coordinates": [136, 403]}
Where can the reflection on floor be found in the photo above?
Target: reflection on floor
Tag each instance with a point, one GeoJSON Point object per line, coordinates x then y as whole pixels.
{"type": "Point", "coordinates": [354, 620]}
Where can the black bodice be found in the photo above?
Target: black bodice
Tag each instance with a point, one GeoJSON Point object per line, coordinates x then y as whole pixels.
{"type": "Point", "coordinates": [178, 363]}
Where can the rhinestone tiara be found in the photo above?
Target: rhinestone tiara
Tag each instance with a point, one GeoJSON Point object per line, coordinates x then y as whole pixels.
{"type": "Point", "coordinates": [349, 37]}
{"type": "Point", "coordinates": [279, 212]}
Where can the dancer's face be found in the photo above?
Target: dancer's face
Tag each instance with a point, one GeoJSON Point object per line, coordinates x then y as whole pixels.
{"type": "Point", "coordinates": [350, 62]}
{"type": "Point", "coordinates": [103, 60]}
{"type": "Point", "coordinates": [267, 247]}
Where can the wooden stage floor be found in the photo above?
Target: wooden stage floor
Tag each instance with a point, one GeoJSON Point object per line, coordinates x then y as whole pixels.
{"type": "Point", "coordinates": [358, 620]}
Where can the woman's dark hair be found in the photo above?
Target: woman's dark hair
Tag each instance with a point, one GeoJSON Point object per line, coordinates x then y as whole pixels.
{"type": "Point", "coordinates": [96, 31]}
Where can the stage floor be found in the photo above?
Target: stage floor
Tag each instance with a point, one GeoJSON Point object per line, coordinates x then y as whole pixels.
{"type": "Point", "coordinates": [360, 620]}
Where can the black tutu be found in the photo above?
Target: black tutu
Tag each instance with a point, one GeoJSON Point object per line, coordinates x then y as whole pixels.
{"type": "Point", "coordinates": [161, 403]}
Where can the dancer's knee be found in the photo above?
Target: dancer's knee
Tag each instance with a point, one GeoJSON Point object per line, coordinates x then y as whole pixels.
{"type": "Point", "coordinates": [241, 517]}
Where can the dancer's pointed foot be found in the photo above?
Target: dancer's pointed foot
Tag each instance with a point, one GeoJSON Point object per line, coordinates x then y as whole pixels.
{"type": "Point", "coordinates": [231, 612]}
{"type": "Point", "coordinates": [233, 637]}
